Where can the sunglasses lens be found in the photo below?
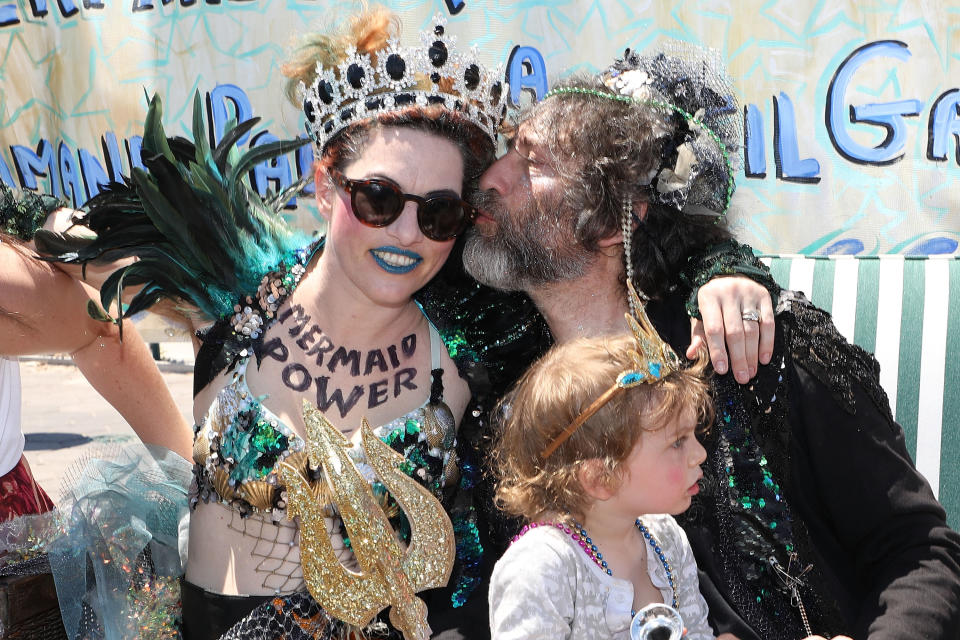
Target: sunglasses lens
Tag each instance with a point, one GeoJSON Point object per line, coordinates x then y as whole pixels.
{"type": "Point", "coordinates": [377, 204]}
{"type": "Point", "coordinates": [442, 218]}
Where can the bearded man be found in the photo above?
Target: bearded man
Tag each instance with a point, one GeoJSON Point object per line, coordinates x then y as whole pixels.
{"type": "Point", "coordinates": [812, 518]}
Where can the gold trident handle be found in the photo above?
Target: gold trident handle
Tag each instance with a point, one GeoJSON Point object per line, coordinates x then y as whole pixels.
{"type": "Point", "coordinates": [389, 575]}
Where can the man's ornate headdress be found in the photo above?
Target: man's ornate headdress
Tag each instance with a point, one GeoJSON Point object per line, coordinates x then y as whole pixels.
{"type": "Point", "coordinates": [700, 123]}
{"type": "Point", "coordinates": [362, 87]}
{"type": "Point", "coordinates": [697, 173]}
{"type": "Point", "coordinates": [695, 121]}
{"type": "Point", "coordinates": [650, 362]}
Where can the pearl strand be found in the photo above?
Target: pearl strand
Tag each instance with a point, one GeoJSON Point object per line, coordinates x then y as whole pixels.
{"type": "Point", "coordinates": [626, 227]}
{"type": "Point", "coordinates": [663, 560]}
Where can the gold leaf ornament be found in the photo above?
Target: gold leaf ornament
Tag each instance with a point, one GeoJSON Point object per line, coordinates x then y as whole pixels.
{"type": "Point", "coordinates": [389, 574]}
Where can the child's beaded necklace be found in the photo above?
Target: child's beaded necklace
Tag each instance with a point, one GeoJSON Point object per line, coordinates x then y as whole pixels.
{"type": "Point", "coordinates": [579, 534]}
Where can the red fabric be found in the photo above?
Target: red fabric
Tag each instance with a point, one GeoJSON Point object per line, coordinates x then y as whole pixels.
{"type": "Point", "coordinates": [20, 494]}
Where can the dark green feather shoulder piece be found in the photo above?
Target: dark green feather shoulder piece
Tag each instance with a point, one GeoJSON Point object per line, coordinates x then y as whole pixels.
{"type": "Point", "coordinates": [199, 232]}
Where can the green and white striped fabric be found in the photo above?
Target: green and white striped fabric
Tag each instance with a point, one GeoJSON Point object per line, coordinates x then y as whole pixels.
{"type": "Point", "coordinates": [906, 311]}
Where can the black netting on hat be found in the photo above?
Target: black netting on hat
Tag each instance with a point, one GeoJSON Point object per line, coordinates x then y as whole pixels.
{"type": "Point", "coordinates": [701, 118]}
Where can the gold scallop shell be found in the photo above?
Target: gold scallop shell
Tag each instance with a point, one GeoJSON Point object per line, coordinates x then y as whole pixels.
{"type": "Point", "coordinates": [201, 448]}
{"type": "Point", "coordinates": [439, 427]}
{"type": "Point", "coordinates": [220, 419]}
{"type": "Point", "coordinates": [321, 491]}
{"type": "Point", "coordinates": [258, 493]}
{"type": "Point", "coordinates": [451, 471]}
{"type": "Point", "coordinates": [298, 460]}
{"type": "Point", "coordinates": [221, 483]}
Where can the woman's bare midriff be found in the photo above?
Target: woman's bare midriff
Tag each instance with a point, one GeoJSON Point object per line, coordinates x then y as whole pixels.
{"type": "Point", "coordinates": [250, 556]}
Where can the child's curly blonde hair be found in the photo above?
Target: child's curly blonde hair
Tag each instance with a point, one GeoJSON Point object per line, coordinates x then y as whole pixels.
{"type": "Point", "coordinates": [553, 393]}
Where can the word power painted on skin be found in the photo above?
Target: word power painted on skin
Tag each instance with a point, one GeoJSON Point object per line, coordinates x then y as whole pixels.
{"type": "Point", "coordinates": [330, 358]}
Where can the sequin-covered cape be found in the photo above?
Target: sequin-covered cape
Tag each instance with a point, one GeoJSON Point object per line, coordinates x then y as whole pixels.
{"type": "Point", "coordinates": [807, 468]}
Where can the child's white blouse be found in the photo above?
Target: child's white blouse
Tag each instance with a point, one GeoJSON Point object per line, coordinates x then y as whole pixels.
{"type": "Point", "coordinates": [545, 586]}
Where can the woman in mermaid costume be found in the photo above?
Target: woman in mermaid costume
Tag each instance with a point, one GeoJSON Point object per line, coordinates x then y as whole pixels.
{"type": "Point", "coordinates": [341, 322]}
{"type": "Point", "coordinates": [376, 320]}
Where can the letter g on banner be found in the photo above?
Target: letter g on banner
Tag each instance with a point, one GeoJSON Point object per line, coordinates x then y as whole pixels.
{"type": "Point", "coordinates": [888, 115]}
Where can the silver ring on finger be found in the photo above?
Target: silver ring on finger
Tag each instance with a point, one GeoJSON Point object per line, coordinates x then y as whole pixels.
{"type": "Point", "coordinates": [752, 315]}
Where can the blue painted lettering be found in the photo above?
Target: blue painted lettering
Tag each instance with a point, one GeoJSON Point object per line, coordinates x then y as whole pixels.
{"type": "Point", "coordinates": [8, 15]}
{"type": "Point", "coordinates": [111, 156]}
{"type": "Point", "coordinates": [219, 114]}
{"type": "Point", "coordinates": [94, 176]}
{"type": "Point", "coordinates": [304, 160]}
{"type": "Point", "coordinates": [275, 172]}
{"type": "Point", "coordinates": [755, 158]}
{"type": "Point", "coordinates": [933, 246]}
{"type": "Point", "coordinates": [526, 70]}
{"type": "Point", "coordinates": [5, 174]}
{"type": "Point", "coordinates": [32, 164]}
{"type": "Point", "coordinates": [69, 176]}
{"type": "Point", "coordinates": [887, 115]}
{"type": "Point", "coordinates": [944, 122]}
{"type": "Point", "coordinates": [134, 145]}
{"type": "Point", "coordinates": [38, 8]}
{"type": "Point", "coordinates": [786, 153]}
{"type": "Point", "coordinates": [845, 247]}
{"type": "Point", "coordinates": [67, 8]}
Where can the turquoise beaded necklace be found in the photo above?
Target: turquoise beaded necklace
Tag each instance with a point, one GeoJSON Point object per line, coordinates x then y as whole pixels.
{"type": "Point", "coordinates": [579, 535]}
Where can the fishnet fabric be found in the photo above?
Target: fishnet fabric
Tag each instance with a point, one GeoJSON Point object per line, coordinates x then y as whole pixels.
{"type": "Point", "coordinates": [693, 80]}
{"type": "Point", "coordinates": [298, 617]}
{"type": "Point", "coordinates": [276, 548]}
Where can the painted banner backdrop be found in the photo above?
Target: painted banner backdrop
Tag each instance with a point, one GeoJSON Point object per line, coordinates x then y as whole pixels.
{"type": "Point", "coordinates": [852, 123]}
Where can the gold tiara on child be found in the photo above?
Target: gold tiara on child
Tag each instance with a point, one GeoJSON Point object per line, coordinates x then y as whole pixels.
{"type": "Point", "coordinates": [652, 360]}
{"type": "Point", "coordinates": [361, 87]}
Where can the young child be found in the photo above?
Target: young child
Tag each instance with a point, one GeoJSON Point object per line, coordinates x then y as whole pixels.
{"type": "Point", "coordinates": [597, 445]}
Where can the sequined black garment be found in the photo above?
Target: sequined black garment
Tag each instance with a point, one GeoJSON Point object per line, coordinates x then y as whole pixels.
{"type": "Point", "coordinates": [818, 347]}
{"type": "Point", "coordinates": [808, 475]}
{"type": "Point", "coordinates": [292, 617]}
{"type": "Point", "coordinates": [744, 517]}
{"type": "Point", "coordinates": [729, 258]}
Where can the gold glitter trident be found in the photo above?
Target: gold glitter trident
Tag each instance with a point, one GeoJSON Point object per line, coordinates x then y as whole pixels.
{"type": "Point", "coordinates": [389, 574]}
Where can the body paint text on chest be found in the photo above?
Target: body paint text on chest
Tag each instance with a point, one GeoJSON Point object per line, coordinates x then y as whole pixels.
{"type": "Point", "coordinates": [311, 340]}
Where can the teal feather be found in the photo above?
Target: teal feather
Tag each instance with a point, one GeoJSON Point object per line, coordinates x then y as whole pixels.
{"type": "Point", "coordinates": [200, 232]}
{"type": "Point", "coordinates": [153, 136]}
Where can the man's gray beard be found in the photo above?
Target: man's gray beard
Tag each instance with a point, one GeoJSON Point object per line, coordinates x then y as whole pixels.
{"type": "Point", "coordinates": [513, 259]}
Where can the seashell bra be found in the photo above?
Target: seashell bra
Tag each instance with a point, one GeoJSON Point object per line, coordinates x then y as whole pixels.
{"type": "Point", "coordinates": [239, 442]}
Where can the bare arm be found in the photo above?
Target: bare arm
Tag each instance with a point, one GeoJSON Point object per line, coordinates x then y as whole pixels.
{"type": "Point", "coordinates": [125, 374]}
{"type": "Point", "coordinates": [96, 273]}
{"type": "Point", "coordinates": [43, 310]}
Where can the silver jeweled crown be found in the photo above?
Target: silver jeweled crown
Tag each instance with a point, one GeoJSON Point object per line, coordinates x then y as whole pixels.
{"type": "Point", "coordinates": [356, 89]}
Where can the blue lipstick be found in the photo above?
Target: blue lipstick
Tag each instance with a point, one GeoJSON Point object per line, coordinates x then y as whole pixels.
{"type": "Point", "coordinates": [396, 260]}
